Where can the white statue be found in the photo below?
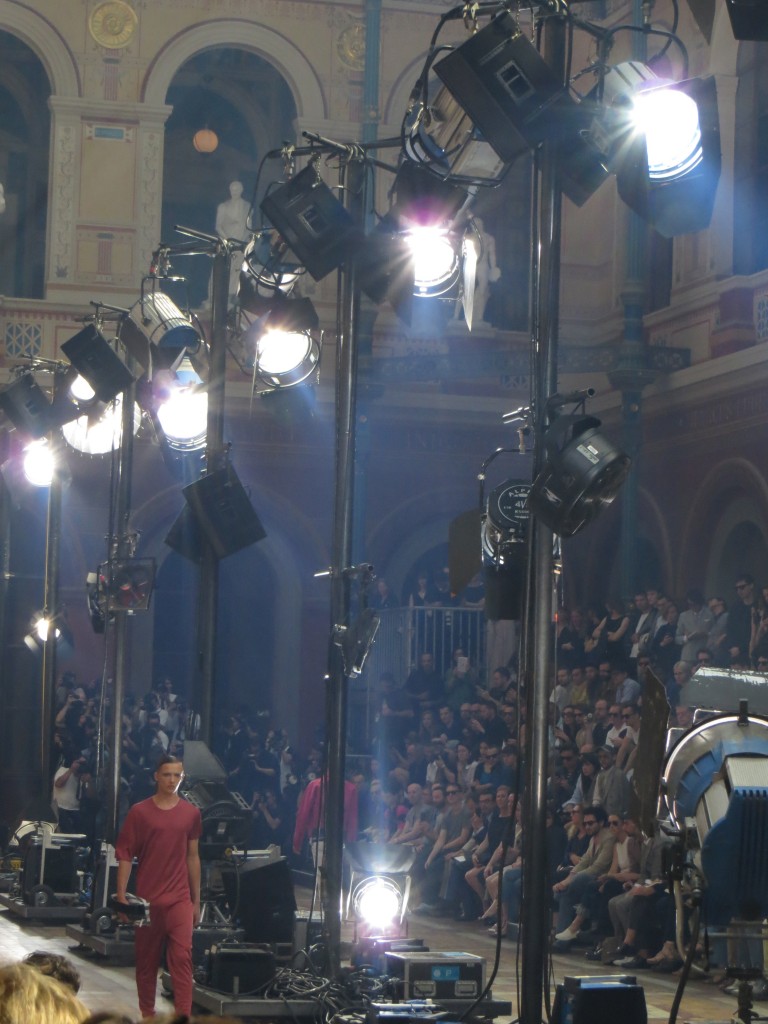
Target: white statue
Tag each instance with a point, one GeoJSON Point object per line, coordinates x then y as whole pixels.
{"type": "Point", "coordinates": [232, 215]}
{"type": "Point", "coordinates": [232, 222]}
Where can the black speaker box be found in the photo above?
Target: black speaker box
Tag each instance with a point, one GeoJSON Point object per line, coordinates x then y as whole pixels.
{"type": "Point", "coordinates": [262, 900]}
{"type": "Point", "coordinates": [600, 1000]}
{"type": "Point", "coordinates": [240, 969]}
{"type": "Point", "coordinates": [207, 938]}
{"type": "Point", "coordinates": [223, 514]}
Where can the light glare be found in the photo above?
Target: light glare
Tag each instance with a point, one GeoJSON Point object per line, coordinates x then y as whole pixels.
{"type": "Point", "coordinates": [184, 417]}
{"type": "Point", "coordinates": [81, 390]}
{"type": "Point", "coordinates": [670, 121]}
{"type": "Point", "coordinates": [434, 258]}
{"type": "Point", "coordinates": [39, 463]}
{"type": "Point", "coordinates": [378, 903]}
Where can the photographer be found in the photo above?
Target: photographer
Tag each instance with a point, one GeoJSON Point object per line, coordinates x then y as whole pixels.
{"type": "Point", "coordinates": [66, 794]}
{"type": "Point", "coordinates": [269, 825]}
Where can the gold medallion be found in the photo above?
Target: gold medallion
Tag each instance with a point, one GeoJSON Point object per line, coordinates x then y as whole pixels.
{"type": "Point", "coordinates": [113, 23]}
{"type": "Point", "coordinates": [351, 46]}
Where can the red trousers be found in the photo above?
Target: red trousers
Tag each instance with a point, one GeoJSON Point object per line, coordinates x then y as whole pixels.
{"type": "Point", "coordinates": [171, 925]}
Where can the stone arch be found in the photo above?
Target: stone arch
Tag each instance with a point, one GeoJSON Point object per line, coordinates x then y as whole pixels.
{"type": "Point", "coordinates": [733, 492]}
{"type": "Point", "coordinates": [274, 47]}
{"type": "Point", "coordinates": [47, 42]}
{"type": "Point", "coordinates": [396, 102]}
{"type": "Point", "coordinates": [285, 553]}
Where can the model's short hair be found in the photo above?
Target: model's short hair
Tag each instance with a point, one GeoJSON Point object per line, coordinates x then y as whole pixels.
{"type": "Point", "coordinates": [167, 759]}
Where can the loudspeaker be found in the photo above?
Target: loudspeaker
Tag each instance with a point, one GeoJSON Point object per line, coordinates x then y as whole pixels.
{"type": "Point", "coordinates": [262, 900]}
{"type": "Point", "coordinates": [200, 765]}
{"type": "Point", "coordinates": [240, 969]}
{"type": "Point", "coordinates": [600, 1000]}
{"type": "Point", "coordinates": [219, 510]}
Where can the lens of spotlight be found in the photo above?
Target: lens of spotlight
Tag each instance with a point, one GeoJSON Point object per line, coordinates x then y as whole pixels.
{"type": "Point", "coordinates": [670, 121]}
{"type": "Point", "coordinates": [284, 358]}
{"type": "Point", "coordinates": [42, 626]}
{"type": "Point", "coordinates": [38, 463]}
{"type": "Point", "coordinates": [97, 435]}
{"type": "Point", "coordinates": [377, 902]}
{"type": "Point", "coordinates": [81, 391]}
{"type": "Point", "coordinates": [436, 261]}
{"type": "Point", "coordinates": [184, 419]}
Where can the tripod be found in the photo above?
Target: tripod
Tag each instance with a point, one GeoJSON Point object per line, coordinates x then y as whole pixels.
{"type": "Point", "coordinates": [211, 914]}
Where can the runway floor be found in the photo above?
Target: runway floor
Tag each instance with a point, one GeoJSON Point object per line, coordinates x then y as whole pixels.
{"type": "Point", "coordinates": [110, 987]}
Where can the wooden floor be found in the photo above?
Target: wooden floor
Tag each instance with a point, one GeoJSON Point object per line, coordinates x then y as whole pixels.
{"type": "Point", "coordinates": [109, 987]}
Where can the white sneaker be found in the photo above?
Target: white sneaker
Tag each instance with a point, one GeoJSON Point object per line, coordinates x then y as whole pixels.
{"type": "Point", "coordinates": [567, 936]}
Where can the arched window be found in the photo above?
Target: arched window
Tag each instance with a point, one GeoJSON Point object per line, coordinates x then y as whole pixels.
{"type": "Point", "coordinates": [24, 144]}
{"type": "Point", "coordinates": [247, 104]}
{"type": "Point", "coordinates": [750, 235]}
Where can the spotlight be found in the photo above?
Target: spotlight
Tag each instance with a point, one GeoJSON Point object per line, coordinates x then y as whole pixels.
{"type": "Point", "coordinates": [180, 408]}
{"type": "Point", "coordinates": [418, 248]}
{"type": "Point", "coordinates": [506, 87]}
{"type": "Point", "coordinates": [379, 887]}
{"type": "Point", "coordinates": [184, 418]}
{"type": "Point", "coordinates": [662, 140]}
{"type": "Point", "coordinates": [444, 139]}
{"type": "Point", "coordinates": [267, 271]}
{"type": "Point", "coordinates": [157, 334]}
{"type": "Point", "coordinates": [98, 363]}
{"type": "Point", "coordinates": [582, 474]}
{"type": "Point", "coordinates": [99, 430]}
{"type": "Point", "coordinates": [127, 584]}
{"type": "Point", "coordinates": [284, 343]}
{"type": "Point", "coordinates": [435, 260]}
{"type": "Point", "coordinates": [27, 407]}
{"type": "Point", "coordinates": [749, 19]}
{"type": "Point", "coordinates": [312, 221]}
{"type": "Point", "coordinates": [39, 463]}
{"type": "Point", "coordinates": [45, 628]}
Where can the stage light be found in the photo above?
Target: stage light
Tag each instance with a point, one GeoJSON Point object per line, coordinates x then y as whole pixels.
{"type": "Point", "coordinates": [43, 628]}
{"type": "Point", "coordinates": [267, 271]}
{"type": "Point", "coordinates": [284, 344]}
{"type": "Point", "coordinates": [314, 224]}
{"type": "Point", "coordinates": [442, 137]}
{"type": "Point", "coordinates": [157, 333]}
{"type": "Point", "coordinates": [507, 88]}
{"type": "Point", "coordinates": [99, 430]}
{"type": "Point", "coordinates": [582, 474]}
{"type": "Point", "coordinates": [127, 584]}
{"type": "Point", "coordinates": [379, 887]}
{"type": "Point", "coordinates": [436, 260]}
{"type": "Point", "coordinates": [27, 406]}
{"type": "Point", "coordinates": [39, 463]}
{"type": "Point", "coordinates": [749, 19]}
{"type": "Point", "coordinates": [377, 902]}
{"type": "Point", "coordinates": [183, 417]}
{"type": "Point", "coordinates": [81, 392]}
{"type": "Point", "coordinates": [98, 363]}
{"type": "Point", "coordinates": [662, 140]}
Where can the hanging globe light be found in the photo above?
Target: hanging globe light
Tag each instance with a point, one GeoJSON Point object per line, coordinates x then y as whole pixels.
{"type": "Point", "coordinates": [205, 141]}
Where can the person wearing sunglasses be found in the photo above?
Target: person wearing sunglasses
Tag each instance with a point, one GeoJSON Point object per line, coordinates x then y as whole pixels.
{"type": "Point", "coordinates": [625, 867]}
{"type": "Point", "coordinates": [574, 892]}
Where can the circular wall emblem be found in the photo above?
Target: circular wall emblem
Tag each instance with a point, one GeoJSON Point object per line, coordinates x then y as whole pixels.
{"type": "Point", "coordinates": [113, 23]}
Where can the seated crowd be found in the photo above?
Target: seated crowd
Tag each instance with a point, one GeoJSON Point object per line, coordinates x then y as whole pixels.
{"type": "Point", "coordinates": [446, 770]}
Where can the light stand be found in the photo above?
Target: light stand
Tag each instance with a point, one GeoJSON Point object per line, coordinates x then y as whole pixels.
{"type": "Point", "coordinates": [50, 606]}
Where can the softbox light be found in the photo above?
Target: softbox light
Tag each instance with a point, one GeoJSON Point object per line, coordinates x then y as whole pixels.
{"type": "Point", "coordinates": [98, 363]}
{"type": "Point", "coordinates": [312, 221]}
{"type": "Point", "coordinates": [582, 474]}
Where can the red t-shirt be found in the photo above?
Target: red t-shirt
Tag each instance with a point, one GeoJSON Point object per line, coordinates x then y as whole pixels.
{"type": "Point", "coordinates": [159, 840]}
